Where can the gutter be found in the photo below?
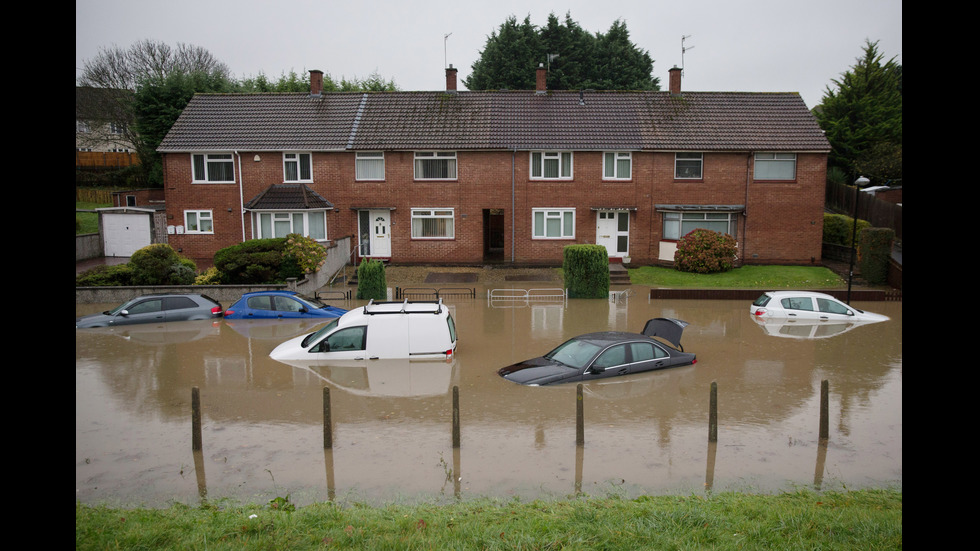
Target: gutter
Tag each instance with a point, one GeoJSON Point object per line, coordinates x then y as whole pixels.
{"type": "Point", "coordinates": [241, 193]}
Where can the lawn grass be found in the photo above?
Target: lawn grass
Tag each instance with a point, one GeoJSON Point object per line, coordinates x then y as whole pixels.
{"type": "Point", "coordinates": [88, 222]}
{"type": "Point", "coordinates": [746, 277]}
{"type": "Point", "coordinates": [862, 519]}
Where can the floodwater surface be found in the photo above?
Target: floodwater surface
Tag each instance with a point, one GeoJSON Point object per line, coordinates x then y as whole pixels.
{"type": "Point", "coordinates": [391, 433]}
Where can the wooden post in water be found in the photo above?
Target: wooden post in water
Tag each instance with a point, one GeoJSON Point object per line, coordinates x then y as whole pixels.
{"type": "Point", "coordinates": [713, 413]}
{"type": "Point", "coordinates": [579, 417]}
{"type": "Point", "coordinates": [195, 419]}
{"type": "Point", "coordinates": [824, 410]}
{"type": "Point", "coordinates": [455, 417]}
{"type": "Point", "coordinates": [327, 429]}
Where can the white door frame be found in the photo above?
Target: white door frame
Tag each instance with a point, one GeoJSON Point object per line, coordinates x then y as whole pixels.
{"type": "Point", "coordinates": [608, 231]}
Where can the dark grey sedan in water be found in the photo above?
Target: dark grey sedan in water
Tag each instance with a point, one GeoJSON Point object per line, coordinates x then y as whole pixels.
{"type": "Point", "coordinates": [605, 354]}
{"type": "Point", "coordinates": [155, 309]}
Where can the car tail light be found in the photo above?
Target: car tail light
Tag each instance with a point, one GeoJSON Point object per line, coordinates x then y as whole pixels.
{"type": "Point", "coordinates": [216, 311]}
{"type": "Point", "coordinates": [760, 312]}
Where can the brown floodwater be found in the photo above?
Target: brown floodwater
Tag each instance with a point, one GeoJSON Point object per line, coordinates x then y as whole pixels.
{"type": "Point", "coordinates": [262, 421]}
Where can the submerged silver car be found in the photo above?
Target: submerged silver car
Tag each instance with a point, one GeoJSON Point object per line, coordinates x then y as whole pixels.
{"type": "Point", "coordinates": [155, 309]}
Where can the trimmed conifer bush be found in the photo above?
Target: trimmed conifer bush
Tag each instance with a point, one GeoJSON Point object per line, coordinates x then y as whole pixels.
{"type": "Point", "coordinates": [160, 264]}
{"type": "Point", "coordinates": [838, 228]}
{"type": "Point", "coordinates": [586, 270]}
{"type": "Point", "coordinates": [371, 282]}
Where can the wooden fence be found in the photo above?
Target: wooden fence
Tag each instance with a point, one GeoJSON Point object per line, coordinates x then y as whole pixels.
{"type": "Point", "coordinates": [882, 214]}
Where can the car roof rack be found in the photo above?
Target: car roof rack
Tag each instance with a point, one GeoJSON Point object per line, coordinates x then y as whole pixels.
{"type": "Point", "coordinates": [403, 307]}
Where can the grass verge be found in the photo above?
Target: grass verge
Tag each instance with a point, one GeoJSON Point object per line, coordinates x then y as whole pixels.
{"type": "Point", "coordinates": [88, 222]}
{"type": "Point", "coordinates": [746, 277]}
{"type": "Point", "coordinates": [863, 519]}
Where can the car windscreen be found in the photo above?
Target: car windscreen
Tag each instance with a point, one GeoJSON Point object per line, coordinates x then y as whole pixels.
{"type": "Point", "coordinates": [574, 353]}
{"type": "Point", "coordinates": [316, 335]}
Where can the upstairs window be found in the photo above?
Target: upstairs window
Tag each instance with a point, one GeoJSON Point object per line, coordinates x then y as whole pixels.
{"type": "Point", "coordinates": [297, 167]}
{"type": "Point", "coordinates": [688, 166]}
{"type": "Point", "coordinates": [617, 165]}
{"type": "Point", "coordinates": [369, 165]}
{"type": "Point", "coordinates": [551, 165]}
{"type": "Point", "coordinates": [435, 165]}
{"type": "Point", "coordinates": [775, 166]}
{"type": "Point", "coordinates": [213, 167]}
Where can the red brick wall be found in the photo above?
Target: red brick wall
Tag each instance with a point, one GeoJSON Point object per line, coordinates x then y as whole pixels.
{"type": "Point", "coordinates": [783, 225]}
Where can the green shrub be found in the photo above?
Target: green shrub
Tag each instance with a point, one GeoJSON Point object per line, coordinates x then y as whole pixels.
{"type": "Point", "coordinates": [118, 275]}
{"type": "Point", "coordinates": [705, 251]}
{"type": "Point", "coordinates": [371, 282]}
{"type": "Point", "coordinates": [159, 264]}
{"type": "Point", "coordinates": [875, 251]}
{"type": "Point", "coordinates": [586, 271]}
{"type": "Point", "coordinates": [254, 261]}
{"type": "Point", "coordinates": [838, 229]}
{"type": "Point", "coordinates": [211, 276]}
{"type": "Point", "coordinates": [304, 252]}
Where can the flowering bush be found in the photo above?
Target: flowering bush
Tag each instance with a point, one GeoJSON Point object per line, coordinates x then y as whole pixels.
{"type": "Point", "coordinates": [306, 252]}
{"type": "Point", "coordinates": [705, 251]}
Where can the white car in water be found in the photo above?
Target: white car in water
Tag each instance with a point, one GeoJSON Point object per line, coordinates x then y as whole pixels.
{"type": "Point", "coordinates": [807, 305]}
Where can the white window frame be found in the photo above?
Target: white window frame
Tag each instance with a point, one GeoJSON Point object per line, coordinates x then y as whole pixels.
{"type": "Point", "coordinates": [365, 165]}
{"type": "Point", "coordinates": [117, 128]}
{"type": "Point", "coordinates": [540, 159]}
{"type": "Point", "coordinates": [420, 227]}
{"type": "Point", "coordinates": [611, 165]}
{"type": "Point", "coordinates": [689, 158]}
{"type": "Point", "coordinates": [206, 160]}
{"type": "Point", "coordinates": [677, 224]}
{"type": "Point", "coordinates": [196, 220]}
{"type": "Point", "coordinates": [540, 218]}
{"type": "Point", "coordinates": [298, 158]}
{"type": "Point", "coordinates": [82, 127]}
{"type": "Point", "coordinates": [774, 166]}
{"type": "Point", "coordinates": [423, 158]}
{"type": "Point", "coordinates": [299, 221]}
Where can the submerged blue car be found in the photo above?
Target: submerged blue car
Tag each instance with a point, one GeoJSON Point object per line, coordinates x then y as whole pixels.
{"type": "Point", "coordinates": [280, 304]}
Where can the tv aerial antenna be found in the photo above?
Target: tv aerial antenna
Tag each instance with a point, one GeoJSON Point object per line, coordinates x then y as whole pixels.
{"type": "Point", "coordinates": [445, 41]}
{"type": "Point", "coordinates": [684, 49]}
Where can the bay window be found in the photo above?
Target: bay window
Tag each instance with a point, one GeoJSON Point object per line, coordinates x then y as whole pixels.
{"type": "Point", "coordinates": [679, 224]}
{"type": "Point", "coordinates": [280, 224]}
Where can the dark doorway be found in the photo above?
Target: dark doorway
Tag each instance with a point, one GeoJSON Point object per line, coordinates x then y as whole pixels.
{"type": "Point", "coordinates": [493, 235]}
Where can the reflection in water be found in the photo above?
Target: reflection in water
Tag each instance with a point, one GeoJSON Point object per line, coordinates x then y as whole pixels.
{"type": "Point", "coordinates": [392, 428]}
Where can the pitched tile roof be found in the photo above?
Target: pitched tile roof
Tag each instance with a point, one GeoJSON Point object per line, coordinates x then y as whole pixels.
{"type": "Point", "coordinates": [288, 197]}
{"type": "Point", "coordinates": [501, 120]}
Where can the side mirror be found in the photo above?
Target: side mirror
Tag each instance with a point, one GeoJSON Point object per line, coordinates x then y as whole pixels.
{"type": "Point", "coordinates": [124, 313]}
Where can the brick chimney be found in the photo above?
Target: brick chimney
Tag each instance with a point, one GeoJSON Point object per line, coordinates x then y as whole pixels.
{"type": "Point", "coordinates": [541, 85]}
{"type": "Point", "coordinates": [450, 78]}
{"type": "Point", "coordinates": [316, 83]}
{"type": "Point", "coordinates": [675, 80]}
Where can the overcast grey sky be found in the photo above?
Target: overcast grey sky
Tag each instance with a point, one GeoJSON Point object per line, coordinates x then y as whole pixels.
{"type": "Point", "coordinates": [733, 45]}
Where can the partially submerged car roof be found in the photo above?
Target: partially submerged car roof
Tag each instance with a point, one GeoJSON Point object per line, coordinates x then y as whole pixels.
{"type": "Point", "coordinates": [669, 329]}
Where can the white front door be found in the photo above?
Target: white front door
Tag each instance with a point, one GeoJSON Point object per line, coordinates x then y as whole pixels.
{"type": "Point", "coordinates": [375, 231]}
{"type": "Point", "coordinates": [612, 230]}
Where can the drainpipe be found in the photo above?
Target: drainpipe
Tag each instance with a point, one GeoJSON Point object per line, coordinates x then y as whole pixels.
{"type": "Point", "coordinates": [745, 215]}
{"type": "Point", "coordinates": [513, 228]}
{"type": "Point", "coordinates": [241, 196]}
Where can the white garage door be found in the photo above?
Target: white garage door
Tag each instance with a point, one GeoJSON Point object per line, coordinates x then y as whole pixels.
{"type": "Point", "coordinates": [125, 233]}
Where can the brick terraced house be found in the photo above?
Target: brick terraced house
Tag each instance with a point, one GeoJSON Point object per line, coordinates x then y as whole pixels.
{"type": "Point", "coordinates": [512, 176]}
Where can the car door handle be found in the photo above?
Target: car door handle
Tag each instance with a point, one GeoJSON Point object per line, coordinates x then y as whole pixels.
{"type": "Point", "coordinates": [623, 371]}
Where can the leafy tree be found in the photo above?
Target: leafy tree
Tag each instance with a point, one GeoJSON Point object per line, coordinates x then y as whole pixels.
{"type": "Point", "coordinates": [157, 104]}
{"type": "Point", "coordinates": [862, 117]}
{"type": "Point", "coordinates": [576, 59]}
